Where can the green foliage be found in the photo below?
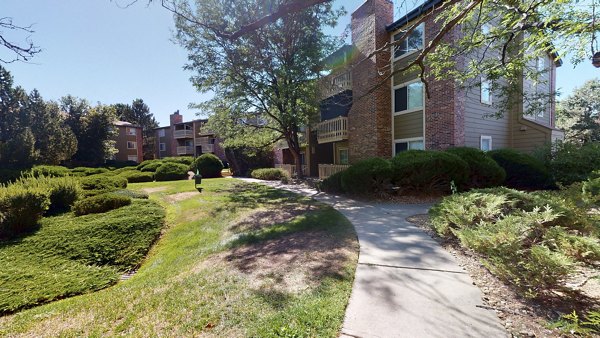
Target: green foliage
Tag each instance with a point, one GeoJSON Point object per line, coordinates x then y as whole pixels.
{"type": "Point", "coordinates": [484, 172]}
{"type": "Point", "coordinates": [591, 189]}
{"type": "Point", "coordinates": [572, 163]}
{"type": "Point", "coordinates": [100, 204]}
{"type": "Point", "coordinates": [149, 165]}
{"type": "Point", "coordinates": [85, 171]}
{"type": "Point", "coordinates": [209, 165]}
{"type": "Point", "coordinates": [96, 184]}
{"type": "Point", "coordinates": [522, 171]}
{"type": "Point", "coordinates": [170, 171]}
{"type": "Point", "coordinates": [72, 255]}
{"type": "Point", "coordinates": [64, 191]}
{"type": "Point", "coordinates": [428, 172]}
{"type": "Point", "coordinates": [244, 159]}
{"type": "Point", "coordinates": [577, 114]}
{"type": "Point", "coordinates": [333, 184]}
{"type": "Point", "coordinates": [573, 324]}
{"type": "Point", "coordinates": [532, 240]}
{"type": "Point", "coordinates": [21, 207]}
{"type": "Point", "coordinates": [269, 174]}
{"type": "Point", "coordinates": [132, 194]}
{"type": "Point", "coordinates": [188, 160]}
{"type": "Point", "coordinates": [134, 176]}
{"type": "Point", "coordinates": [367, 177]}
{"type": "Point", "coordinates": [49, 171]}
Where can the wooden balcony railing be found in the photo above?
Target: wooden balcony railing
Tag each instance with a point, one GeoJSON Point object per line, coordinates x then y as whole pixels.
{"type": "Point", "coordinates": [291, 169]}
{"type": "Point", "coordinates": [184, 134]}
{"type": "Point", "coordinates": [336, 83]}
{"type": "Point", "coordinates": [185, 150]}
{"type": "Point", "coordinates": [202, 140]}
{"type": "Point", "coordinates": [333, 130]}
{"type": "Point", "coordinates": [326, 170]}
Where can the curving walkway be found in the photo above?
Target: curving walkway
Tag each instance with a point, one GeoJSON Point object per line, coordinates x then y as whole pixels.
{"type": "Point", "coordinates": [406, 284]}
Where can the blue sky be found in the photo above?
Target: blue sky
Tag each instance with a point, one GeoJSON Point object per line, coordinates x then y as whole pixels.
{"type": "Point", "coordinates": [95, 50]}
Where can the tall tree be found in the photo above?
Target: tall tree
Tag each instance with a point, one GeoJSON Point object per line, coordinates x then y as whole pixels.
{"type": "Point", "coordinates": [579, 114]}
{"type": "Point", "coordinates": [139, 113]}
{"type": "Point", "coordinates": [265, 78]}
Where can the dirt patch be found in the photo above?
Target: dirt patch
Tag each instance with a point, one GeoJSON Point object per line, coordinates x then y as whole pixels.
{"type": "Point", "coordinates": [174, 198]}
{"type": "Point", "coordinates": [521, 317]}
{"type": "Point", "coordinates": [264, 217]}
{"type": "Point", "coordinates": [153, 190]}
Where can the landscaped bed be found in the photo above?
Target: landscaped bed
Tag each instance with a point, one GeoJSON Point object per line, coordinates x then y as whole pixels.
{"type": "Point", "coordinates": [235, 260]}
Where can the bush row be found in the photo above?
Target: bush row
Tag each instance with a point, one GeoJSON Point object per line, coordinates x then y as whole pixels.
{"type": "Point", "coordinates": [269, 174]}
{"type": "Point", "coordinates": [100, 203]}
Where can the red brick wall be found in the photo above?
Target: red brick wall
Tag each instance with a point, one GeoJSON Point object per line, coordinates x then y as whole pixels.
{"type": "Point", "coordinates": [369, 120]}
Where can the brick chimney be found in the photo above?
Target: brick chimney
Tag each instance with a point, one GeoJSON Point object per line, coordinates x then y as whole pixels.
{"type": "Point", "coordinates": [176, 118]}
{"type": "Point", "coordinates": [370, 119]}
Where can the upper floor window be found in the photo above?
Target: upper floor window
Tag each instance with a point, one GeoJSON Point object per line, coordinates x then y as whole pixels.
{"type": "Point", "coordinates": [408, 98]}
{"type": "Point", "coordinates": [131, 145]}
{"type": "Point", "coordinates": [131, 131]}
{"type": "Point", "coordinates": [412, 43]}
{"type": "Point", "coordinates": [162, 147]}
{"type": "Point", "coordinates": [542, 108]}
{"type": "Point", "coordinates": [486, 91]}
{"type": "Point", "coordinates": [161, 133]}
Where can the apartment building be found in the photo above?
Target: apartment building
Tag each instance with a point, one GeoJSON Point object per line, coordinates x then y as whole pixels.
{"type": "Point", "coordinates": [186, 139]}
{"type": "Point", "coordinates": [128, 142]}
{"type": "Point", "coordinates": [396, 115]}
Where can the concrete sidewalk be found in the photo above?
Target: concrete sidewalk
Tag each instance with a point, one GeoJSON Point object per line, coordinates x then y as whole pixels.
{"type": "Point", "coordinates": [406, 284]}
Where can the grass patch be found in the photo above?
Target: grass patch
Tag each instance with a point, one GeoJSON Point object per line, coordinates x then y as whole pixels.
{"type": "Point", "coordinates": [186, 288]}
{"type": "Point", "coordinates": [71, 255]}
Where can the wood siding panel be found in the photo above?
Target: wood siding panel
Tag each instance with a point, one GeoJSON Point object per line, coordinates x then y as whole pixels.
{"type": "Point", "coordinates": [407, 75]}
{"type": "Point", "coordinates": [480, 120]}
{"type": "Point", "coordinates": [408, 125]}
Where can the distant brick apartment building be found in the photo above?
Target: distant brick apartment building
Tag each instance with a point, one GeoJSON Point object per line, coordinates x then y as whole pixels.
{"type": "Point", "coordinates": [397, 115]}
{"type": "Point", "coordinates": [186, 139]}
{"type": "Point", "coordinates": [128, 142]}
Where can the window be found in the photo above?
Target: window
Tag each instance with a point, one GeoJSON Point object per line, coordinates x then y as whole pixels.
{"type": "Point", "coordinates": [401, 145]}
{"type": "Point", "coordinates": [131, 145]}
{"type": "Point", "coordinates": [408, 98]}
{"type": "Point", "coordinates": [486, 91]}
{"type": "Point", "coordinates": [162, 147]}
{"type": "Point", "coordinates": [131, 131]}
{"type": "Point", "coordinates": [161, 133]}
{"type": "Point", "coordinates": [542, 108]}
{"type": "Point", "coordinates": [412, 43]}
{"type": "Point", "coordinates": [485, 143]}
{"type": "Point", "coordinates": [343, 155]}
{"type": "Point", "coordinates": [541, 64]}
{"type": "Point", "coordinates": [132, 158]}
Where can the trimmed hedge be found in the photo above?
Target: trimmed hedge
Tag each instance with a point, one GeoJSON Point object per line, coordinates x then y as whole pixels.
{"type": "Point", "coordinates": [269, 174]}
{"type": "Point", "coordinates": [64, 191]}
{"type": "Point", "coordinates": [572, 163]}
{"type": "Point", "coordinates": [332, 184]}
{"type": "Point", "coordinates": [85, 171]}
{"type": "Point", "coordinates": [134, 176]}
{"type": "Point", "coordinates": [522, 171]}
{"type": "Point", "coordinates": [170, 171]}
{"type": "Point", "coordinates": [484, 172]}
{"type": "Point", "coordinates": [367, 177]}
{"type": "Point", "coordinates": [98, 184]}
{"type": "Point", "coordinates": [591, 188]}
{"type": "Point", "coordinates": [49, 171]}
{"type": "Point", "coordinates": [187, 160]}
{"type": "Point", "coordinates": [428, 171]}
{"type": "Point", "coordinates": [132, 194]}
{"type": "Point", "coordinates": [209, 165]}
{"type": "Point", "coordinates": [100, 204]}
{"type": "Point", "coordinates": [21, 207]}
{"type": "Point", "coordinates": [151, 167]}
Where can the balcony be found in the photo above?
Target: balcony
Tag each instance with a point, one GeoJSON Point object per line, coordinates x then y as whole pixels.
{"type": "Point", "coordinates": [184, 134]}
{"type": "Point", "coordinates": [336, 83]}
{"type": "Point", "coordinates": [333, 130]}
{"type": "Point", "coordinates": [200, 141]}
{"type": "Point", "coordinates": [185, 150]}
{"type": "Point", "coordinates": [326, 170]}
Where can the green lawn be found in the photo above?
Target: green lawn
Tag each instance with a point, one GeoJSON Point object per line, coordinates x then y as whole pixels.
{"type": "Point", "coordinates": [235, 260]}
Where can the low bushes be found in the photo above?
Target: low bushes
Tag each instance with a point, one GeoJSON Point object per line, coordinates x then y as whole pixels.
{"type": "Point", "coordinates": [187, 160]}
{"type": "Point", "coordinates": [572, 163]}
{"type": "Point", "coordinates": [149, 165]}
{"type": "Point", "coordinates": [332, 184]}
{"type": "Point", "coordinates": [132, 194]}
{"type": "Point", "coordinates": [591, 188]}
{"type": "Point", "coordinates": [49, 171]}
{"type": "Point", "coordinates": [100, 203]}
{"type": "Point", "coordinates": [134, 176]}
{"type": "Point", "coordinates": [269, 174]}
{"type": "Point", "coordinates": [367, 177]}
{"type": "Point", "coordinates": [430, 172]}
{"type": "Point", "coordinates": [209, 165]}
{"type": "Point", "coordinates": [532, 240]}
{"type": "Point", "coordinates": [64, 191]}
{"type": "Point", "coordinates": [21, 207]}
{"type": "Point", "coordinates": [98, 184]}
{"type": "Point", "coordinates": [522, 171]}
{"type": "Point", "coordinates": [85, 171]}
{"type": "Point", "coordinates": [484, 172]}
{"type": "Point", "coordinates": [170, 171]}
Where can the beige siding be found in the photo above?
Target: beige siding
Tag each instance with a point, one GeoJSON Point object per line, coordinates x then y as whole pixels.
{"type": "Point", "coordinates": [408, 125]}
{"type": "Point", "coordinates": [480, 120]}
{"type": "Point", "coordinates": [541, 87]}
{"type": "Point", "coordinates": [406, 76]}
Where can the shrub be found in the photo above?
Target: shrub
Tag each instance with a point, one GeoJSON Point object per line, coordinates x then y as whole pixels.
{"type": "Point", "coordinates": [49, 171]}
{"type": "Point", "coordinates": [522, 171]}
{"type": "Point", "coordinates": [572, 163]}
{"type": "Point", "coordinates": [170, 171]}
{"type": "Point", "coordinates": [420, 171]}
{"type": "Point", "coordinates": [134, 176]}
{"type": "Point", "coordinates": [332, 184]}
{"type": "Point", "coordinates": [532, 240]}
{"type": "Point", "coordinates": [269, 174]}
{"type": "Point", "coordinates": [85, 171]}
{"type": "Point", "coordinates": [149, 165]}
{"type": "Point", "coordinates": [100, 203]}
{"type": "Point", "coordinates": [187, 160]}
{"type": "Point", "coordinates": [209, 165]}
{"type": "Point", "coordinates": [21, 207]}
{"type": "Point", "coordinates": [132, 194]}
{"type": "Point", "coordinates": [120, 164]}
{"type": "Point", "coordinates": [102, 183]}
{"type": "Point", "coordinates": [9, 175]}
{"type": "Point", "coordinates": [591, 189]}
{"type": "Point", "coordinates": [124, 169]}
{"type": "Point", "coordinates": [367, 177]}
{"type": "Point", "coordinates": [483, 171]}
{"type": "Point", "coordinates": [64, 191]}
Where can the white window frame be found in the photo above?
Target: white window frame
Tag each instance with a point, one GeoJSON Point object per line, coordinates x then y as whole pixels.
{"type": "Point", "coordinates": [486, 138]}
{"type": "Point", "coordinates": [161, 133]}
{"type": "Point", "coordinates": [408, 141]}
{"type": "Point", "coordinates": [134, 145]}
{"type": "Point", "coordinates": [131, 131]}
{"type": "Point", "coordinates": [408, 111]}
{"type": "Point", "coordinates": [394, 58]}
{"type": "Point", "coordinates": [339, 156]}
{"type": "Point", "coordinates": [162, 147]}
{"type": "Point", "coordinates": [481, 89]}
